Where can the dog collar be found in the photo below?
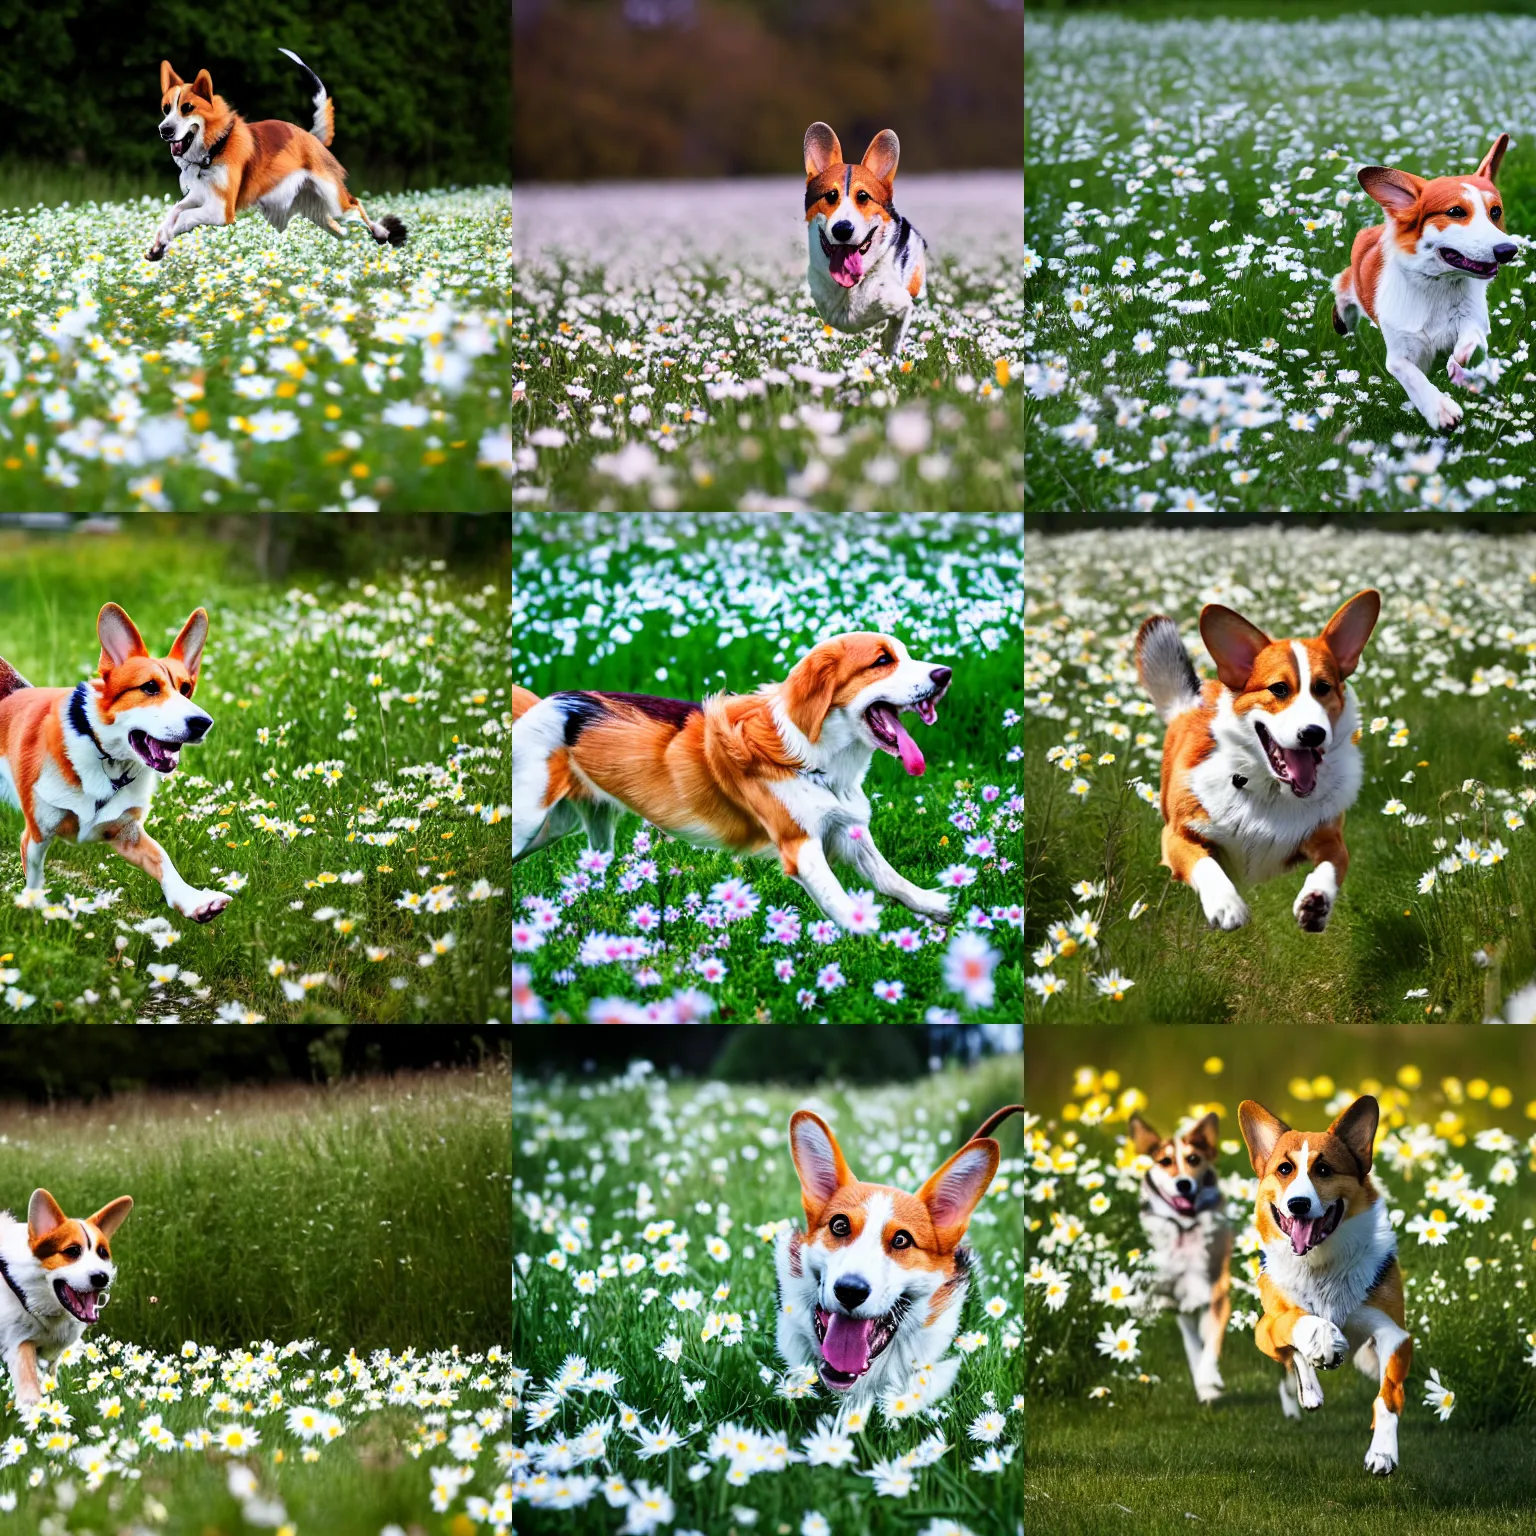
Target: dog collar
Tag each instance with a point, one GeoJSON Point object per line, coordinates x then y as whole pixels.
{"type": "Point", "coordinates": [16, 1289]}
{"type": "Point", "coordinates": [82, 723]}
{"type": "Point", "coordinates": [215, 149]}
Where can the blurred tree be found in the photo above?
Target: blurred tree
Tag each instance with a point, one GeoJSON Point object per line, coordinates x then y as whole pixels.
{"type": "Point", "coordinates": [864, 1053]}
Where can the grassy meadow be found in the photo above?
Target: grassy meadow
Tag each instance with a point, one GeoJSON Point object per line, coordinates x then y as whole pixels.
{"type": "Point", "coordinates": [1192, 195]}
{"type": "Point", "coordinates": [1124, 1439]}
{"type": "Point", "coordinates": [349, 794]}
{"type": "Point", "coordinates": [289, 1248]}
{"type": "Point", "coordinates": [251, 369]}
{"type": "Point", "coordinates": [688, 606]}
{"type": "Point", "coordinates": [667, 354]}
{"type": "Point", "coordinates": [1435, 919]}
{"type": "Point", "coordinates": [644, 1218]}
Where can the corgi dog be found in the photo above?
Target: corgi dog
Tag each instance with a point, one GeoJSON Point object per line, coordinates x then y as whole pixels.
{"type": "Point", "coordinates": [1328, 1276]}
{"type": "Point", "coordinates": [781, 769]}
{"type": "Point", "coordinates": [82, 763]}
{"type": "Point", "coordinates": [1259, 766]}
{"type": "Point", "coordinates": [866, 261]}
{"type": "Point", "coordinates": [871, 1291]}
{"type": "Point", "coordinates": [1183, 1214]}
{"type": "Point", "coordinates": [57, 1270]}
{"type": "Point", "coordinates": [227, 164]}
{"type": "Point", "coordinates": [1422, 274]}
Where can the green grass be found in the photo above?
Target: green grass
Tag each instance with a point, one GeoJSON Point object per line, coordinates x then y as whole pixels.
{"type": "Point", "coordinates": [714, 1162]}
{"type": "Point", "coordinates": [336, 1215]}
{"type": "Point", "coordinates": [1248, 399]}
{"type": "Point", "coordinates": [251, 369]}
{"type": "Point", "coordinates": [286, 678]}
{"type": "Point", "coordinates": [1445, 738]}
{"type": "Point", "coordinates": [710, 604]}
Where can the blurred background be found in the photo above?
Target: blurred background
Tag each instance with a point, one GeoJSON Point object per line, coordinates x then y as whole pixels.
{"type": "Point", "coordinates": [421, 88]}
{"type": "Point", "coordinates": [650, 89]}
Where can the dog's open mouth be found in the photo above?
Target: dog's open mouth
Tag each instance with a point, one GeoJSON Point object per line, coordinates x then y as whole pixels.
{"type": "Point", "coordinates": [1306, 1232]}
{"type": "Point", "coordinates": [81, 1304]}
{"type": "Point", "coordinates": [160, 755]}
{"type": "Point", "coordinates": [845, 263]}
{"type": "Point", "coordinates": [1466, 264]}
{"type": "Point", "coordinates": [884, 722]}
{"type": "Point", "coordinates": [1296, 766]}
{"type": "Point", "coordinates": [850, 1345]}
{"type": "Point", "coordinates": [182, 147]}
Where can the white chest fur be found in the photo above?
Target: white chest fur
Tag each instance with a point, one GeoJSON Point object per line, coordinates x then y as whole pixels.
{"type": "Point", "coordinates": [1332, 1281]}
{"type": "Point", "coordinates": [875, 298]}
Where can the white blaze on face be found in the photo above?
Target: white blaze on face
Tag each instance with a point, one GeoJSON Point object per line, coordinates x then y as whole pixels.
{"type": "Point", "coordinates": [1304, 710]}
{"type": "Point", "coordinates": [865, 1259]}
{"type": "Point", "coordinates": [1301, 1187]}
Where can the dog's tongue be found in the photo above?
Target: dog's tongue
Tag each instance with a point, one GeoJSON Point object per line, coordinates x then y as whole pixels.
{"type": "Point", "coordinates": [847, 266]}
{"type": "Point", "coordinates": [1301, 764]}
{"type": "Point", "coordinates": [86, 1301]}
{"type": "Point", "coordinates": [1302, 1229]}
{"type": "Point", "coordinates": [911, 754]}
{"type": "Point", "coordinates": [846, 1346]}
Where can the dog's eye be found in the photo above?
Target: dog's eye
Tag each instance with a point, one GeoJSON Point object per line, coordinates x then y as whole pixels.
{"type": "Point", "coordinates": [1280, 690]}
{"type": "Point", "coordinates": [885, 659]}
{"type": "Point", "coordinates": [1458, 212]}
{"type": "Point", "coordinates": [1495, 212]}
{"type": "Point", "coordinates": [72, 1252]}
{"type": "Point", "coordinates": [1322, 1170]}
{"type": "Point", "coordinates": [831, 197]}
{"type": "Point", "coordinates": [1193, 1159]}
{"type": "Point", "coordinates": [840, 1226]}
{"type": "Point", "coordinates": [863, 197]}
{"type": "Point", "coordinates": [1286, 1169]}
{"type": "Point", "coordinates": [1165, 1162]}
{"type": "Point", "coordinates": [101, 1248]}
{"type": "Point", "coordinates": [186, 106]}
{"type": "Point", "coordinates": [1321, 687]}
{"type": "Point", "coordinates": [902, 1240]}
{"type": "Point", "coordinates": [186, 689]}
{"type": "Point", "coordinates": [150, 687]}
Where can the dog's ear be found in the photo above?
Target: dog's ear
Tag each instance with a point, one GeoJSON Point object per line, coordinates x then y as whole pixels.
{"type": "Point", "coordinates": [1356, 1128]}
{"type": "Point", "coordinates": [168, 77]}
{"type": "Point", "coordinates": [1203, 1135]}
{"type": "Point", "coordinates": [112, 1215]}
{"type": "Point", "coordinates": [188, 649]}
{"type": "Point", "coordinates": [1143, 1137]}
{"type": "Point", "coordinates": [1261, 1130]}
{"type": "Point", "coordinates": [119, 636]}
{"type": "Point", "coordinates": [1347, 631]}
{"type": "Point", "coordinates": [1494, 158]}
{"type": "Point", "coordinates": [818, 1160]}
{"type": "Point", "coordinates": [810, 685]}
{"type": "Point", "coordinates": [43, 1215]}
{"type": "Point", "coordinates": [203, 85]}
{"type": "Point", "coordinates": [1233, 643]}
{"type": "Point", "coordinates": [1396, 191]}
{"type": "Point", "coordinates": [821, 150]}
{"type": "Point", "coordinates": [954, 1191]}
{"type": "Point", "coordinates": [883, 153]}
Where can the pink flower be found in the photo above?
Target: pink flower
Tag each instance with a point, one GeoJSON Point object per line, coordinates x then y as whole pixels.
{"type": "Point", "coordinates": [526, 1008]}
{"type": "Point", "coordinates": [957, 875]}
{"type": "Point", "coordinates": [710, 968]}
{"type": "Point", "coordinates": [968, 965]}
{"type": "Point", "coordinates": [805, 997]}
{"type": "Point", "coordinates": [525, 938]}
{"type": "Point", "coordinates": [831, 977]}
{"type": "Point", "coordinates": [979, 847]}
{"type": "Point", "coordinates": [824, 933]}
{"type": "Point", "coordinates": [863, 913]}
{"type": "Point", "coordinates": [905, 938]}
{"type": "Point", "coordinates": [593, 862]}
{"type": "Point", "coordinates": [784, 969]}
{"type": "Point", "coordinates": [990, 792]}
{"type": "Point", "coordinates": [644, 917]}
{"type": "Point", "coordinates": [890, 991]}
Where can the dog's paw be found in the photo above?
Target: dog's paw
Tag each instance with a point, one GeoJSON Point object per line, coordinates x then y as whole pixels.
{"type": "Point", "coordinates": [1209, 1386]}
{"type": "Point", "coordinates": [1225, 910]}
{"type": "Point", "coordinates": [1380, 1462]}
{"type": "Point", "coordinates": [156, 250]}
{"type": "Point", "coordinates": [1443, 414]}
{"type": "Point", "coordinates": [202, 906]}
{"type": "Point", "coordinates": [1312, 909]}
{"type": "Point", "coordinates": [1318, 1341]}
{"type": "Point", "coordinates": [934, 904]}
{"type": "Point", "coordinates": [1288, 1405]}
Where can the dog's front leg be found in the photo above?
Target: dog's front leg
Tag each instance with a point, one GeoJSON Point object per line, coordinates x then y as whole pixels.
{"type": "Point", "coordinates": [855, 846]}
{"type": "Point", "coordinates": [1301, 1343]}
{"type": "Point", "coordinates": [896, 331]}
{"type": "Point", "coordinates": [184, 216]}
{"type": "Point", "coordinates": [21, 1361]}
{"type": "Point", "coordinates": [805, 862]}
{"type": "Point", "coordinates": [1471, 348]}
{"type": "Point", "coordinates": [139, 848]}
{"type": "Point", "coordinates": [1330, 859]}
{"type": "Point", "coordinates": [1192, 862]}
{"type": "Point", "coordinates": [1437, 408]}
{"type": "Point", "coordinates": [32, 851]}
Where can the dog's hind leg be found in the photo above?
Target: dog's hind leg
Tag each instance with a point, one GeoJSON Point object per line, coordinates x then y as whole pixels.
{"type": "Point", "coordinates": [1346, 310]}
{"type": "Point", "coordinates": [21, 1361]}
{"type": "Point", "coordinates": [562, 819]}
{"type": "Point", "coordinates": [387, 231]}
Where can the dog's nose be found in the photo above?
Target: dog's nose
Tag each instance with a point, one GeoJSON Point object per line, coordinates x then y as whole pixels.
{"type": "Point", "coordinates": [1298, 1206]}
{"type": "Point", "coordinates": [99, 1280]}
{"type": "Point", "coordinates": [842, 230]}
{"type": "Point", "coordinates": [941, 676]}
{"type": "Point", "coordinates": [167, 130]}
{"type": "Point", "coordinates": [851, 1291]}
{"type": "Point", "coordinates": [1505, 252]}
{"type": "Point", "coordinates": [1184, 1186]}
{"type": "Point", "coordinates": [197, 727]}
{"type": "Point", "coordinates": [1311, 736]}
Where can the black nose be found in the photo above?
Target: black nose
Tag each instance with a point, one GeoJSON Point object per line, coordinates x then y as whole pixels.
{"type": "Point", "coordinates": [1505, 252]}
{"type": "Point", "coordinates": [167, 131]}
{"type": "Point", "coordinates": [197, 727]}
{"type": "Point", "coordinates": [1311, 735]}
{"type": "Point", "coordinates": [1298, 1206]}
{"type": "Point", "coordinates": [1184, 1186]}
{"type": "Point", "coordinates": [941, 676]}
{"type": "Point", "coordinates": [99, 1280]}
{"type": "Point", "coordinates": [842, 230]}
{"type": "Point", "coordinates": [851, 1291]}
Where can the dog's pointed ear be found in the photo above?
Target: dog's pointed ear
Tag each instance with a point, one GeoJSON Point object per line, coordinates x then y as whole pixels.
{"type": "Point", "coordinates": [168, 76]}
{"type": "Point", "coordinates": [1356, 1128]}
{"type": "Point", "coordinates": [203, 85]}
{"type": "Point", "coordinates": [112, 1215]}
{"type": "Point", "coordinates": [1347, 631]}
{"type": "Point", "coordinates": [43, 1215]}
{"type": "Point", "coordinates": [955, 1190]}
{"type": "Point", "coordinates": [1494, 158]}
{"type": "Point", "coordinates": [188, 649]}
{"type": "Point", "coordinates": [1261, 1130]}
{"type": "Point", "coordinates": [818, 1160]}
{"type": "Point", "coordinates": [810, 685]}
{"type": "Point", "coordinates": [1396, 191]}
{"type": "Point", "coordinates": [1143, 1137]}
{"type": "Point", "coordinates": [883, 153]}
{"type": "Point", "coordinates": [821, 150]}
{"type": "Point", "coordinates": [1203, 1134]}
{"type": "Point", "coordinates": [119, 636]}
{"type": "Point", "coordinates": [1233, 643]}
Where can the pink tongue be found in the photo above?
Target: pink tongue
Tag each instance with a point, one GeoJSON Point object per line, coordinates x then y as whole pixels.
{"type": "Point", "coordinates": [1301, 1233]}
{"type": "Point", "coordinates": [911, 753]}
{"type": "Point", "coordinates": [846, 1346]}
{"type": "Point", "coordinates": [847, 267]}
{"type": "Point", "coordinates": [1302, 767]}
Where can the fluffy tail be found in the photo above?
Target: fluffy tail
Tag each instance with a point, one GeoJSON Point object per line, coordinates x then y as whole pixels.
{"type": "Point", "coordinates": [1164, 667]}
{"type": "Point", "coordinates": [10, 680]}
{"type": "Point", "coordinates": [324, 127]}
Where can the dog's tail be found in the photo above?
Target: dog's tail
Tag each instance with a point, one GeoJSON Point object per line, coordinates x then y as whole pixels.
{"type": "Point", "coordinates": [324, 127]}
{"type": "Point", "coordinates": [1165, 669]}
{"type": "Point", "coordinates": [10, 680]}
{"type": "Point", "coordinates": [992, 1122]}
